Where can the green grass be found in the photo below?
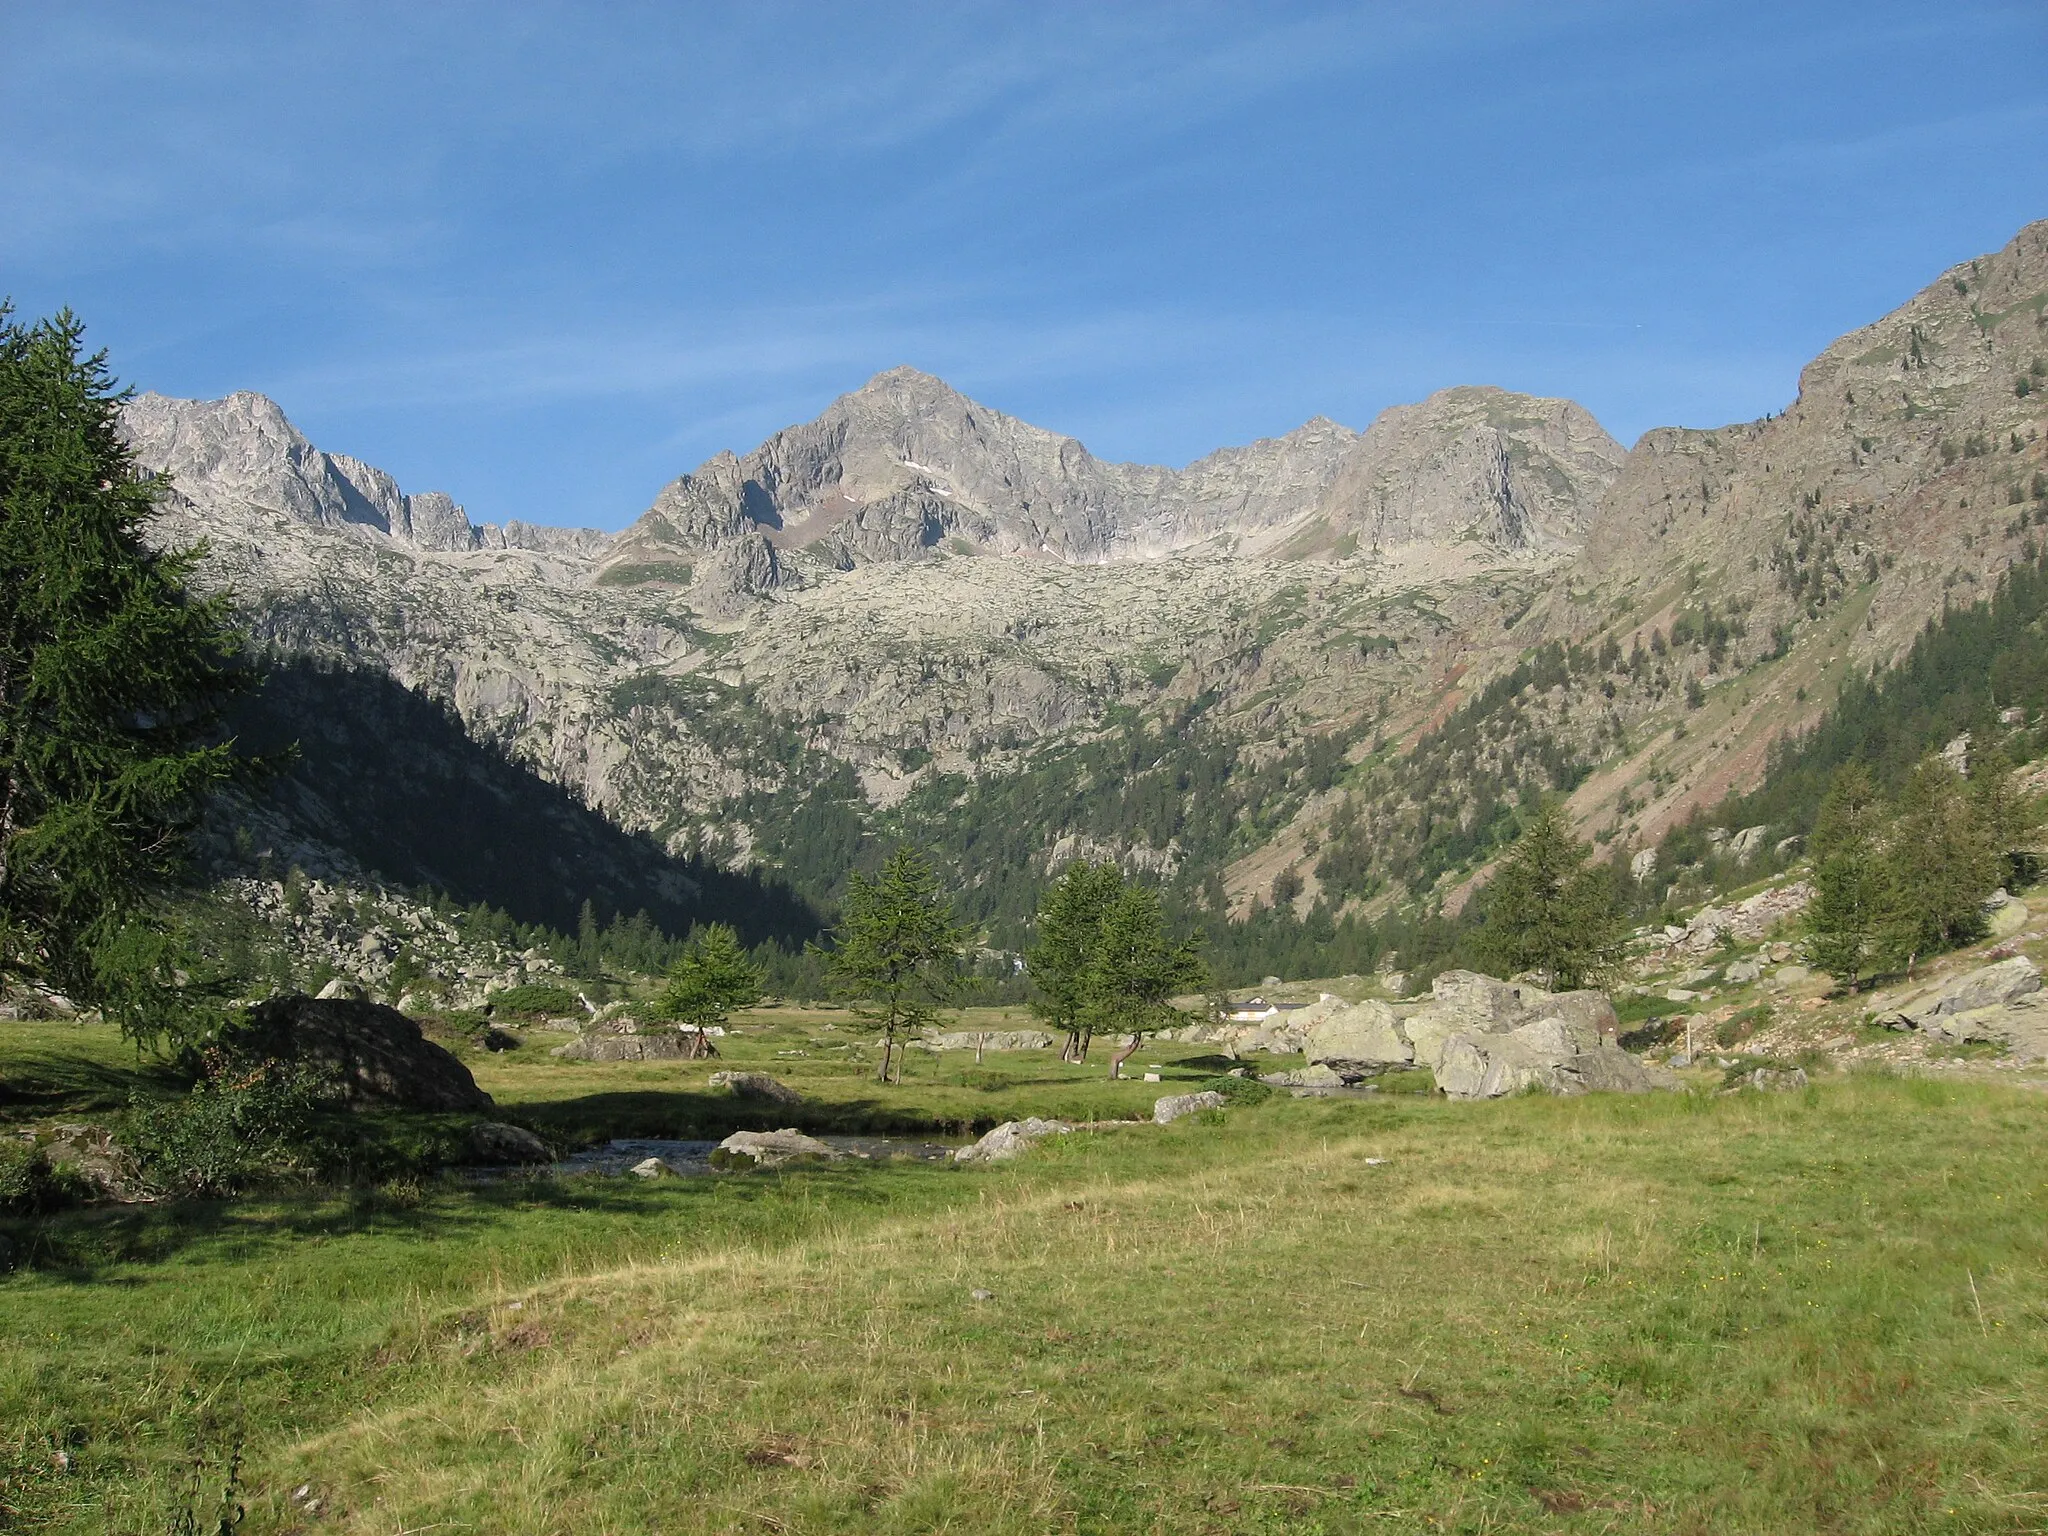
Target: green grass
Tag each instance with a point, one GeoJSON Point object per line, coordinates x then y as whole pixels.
{"type": "Point", "coordinates": [1809, 1312]}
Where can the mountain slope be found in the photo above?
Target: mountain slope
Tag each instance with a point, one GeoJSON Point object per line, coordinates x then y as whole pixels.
{"type": "Point", "coordinates": [1331, 667]}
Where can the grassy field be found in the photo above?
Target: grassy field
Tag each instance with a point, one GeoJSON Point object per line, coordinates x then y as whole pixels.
{"type": "Point", "coordinates": [1813, 1312]}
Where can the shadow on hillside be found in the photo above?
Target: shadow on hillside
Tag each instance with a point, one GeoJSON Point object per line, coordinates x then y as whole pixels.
{"type": "Point", "coordinates": [392, 779]}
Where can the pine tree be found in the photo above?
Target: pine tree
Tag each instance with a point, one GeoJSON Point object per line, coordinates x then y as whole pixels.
{"type": "Point", "coordinates": [2009, 820]}
{"type": "Point", "coordinates": [1548, 910]}
{"type": "Point", "coordinates": [1069, 922]}
{"type": "Point", "coordinates": [1134, 967]}
{"type": "Point", "coordinates": [712, 980]}
{"type": "Point", "coordinates": [1941, 866]}
{"type": "Point", "coordinates": [111, 681]}
{"type": "Point", "coordinates": [1846, 918]}
{"type": "Point", "coordinates": [898, 953]}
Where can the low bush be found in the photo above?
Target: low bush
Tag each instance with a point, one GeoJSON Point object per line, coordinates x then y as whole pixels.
{"type": "Point", "coordinates": [538, 999]}
{"type": "Point", "coordinates": [30, 1184]}
{"type": "Point", "coordinates": [242, 1125]}
{"type": "Point", "coordinates": [1239, 1090]}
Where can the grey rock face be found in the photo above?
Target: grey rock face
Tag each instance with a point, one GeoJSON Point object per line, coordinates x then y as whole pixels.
{"type": "Point", "coordinates": [1992, 986]}
{"type": "Point", "coordinates": [768, 1149]}
{"type": "Point", "coordinates": [1360, 1040]}
{"type": "Point", "coordinates": [496, 1142]}
{"type": "Point", "coordinates": [986, 1040]}
{"type": "Point", "coordinates": [377, 1053]}
{"type": "Point", "coordinates": [1169, 1109]}
{"type": "Point", "coordinates": [1011, 1139]}
{"type": "Point", "coordinates": [611, 1045]}
{"type": "Point", "coordinates": [229, 457]}
{"type": "Point", "coordinates": [756, 1085]}
{"type": "Point", "coordinates": [906, 464]}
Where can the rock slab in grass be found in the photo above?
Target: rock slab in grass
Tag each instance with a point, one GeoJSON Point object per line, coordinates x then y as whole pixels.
{"type": "Point", "coordinates": [1358, 1040]}
{"type": "Point", "coordinates": [495, 1142]}
{"type": "Point", "coordinates": [651, 1168]}
{"type": "Point", "coordinates": [1169, 1109]}
{"type": "Point", "coordinates": [768, 1149]}
{"type": "Point", "coordinates": [1317, 1076]}
{"type": "Point", "coordinates": [985, 1039]}
{"type": "Point", "coordinates": [756, 1085]}
{"type": "Point", "coordinates": [1011, 1138]}
{"type": "Point", "coordinates": [1952, 1007]}
{"type": "Point", "coordinates": [624, 1045]}
{"type": "Point", "coordinates": [377, 1054]}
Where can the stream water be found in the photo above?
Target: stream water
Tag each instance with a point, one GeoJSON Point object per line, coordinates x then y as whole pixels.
{"type": "Point", "coordinates": [617, 1157]}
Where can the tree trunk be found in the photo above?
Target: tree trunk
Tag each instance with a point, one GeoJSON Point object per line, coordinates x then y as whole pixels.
{"type": "Point", "coordinates": [1116, 1065]}
{"type": "Point", "coordinates": [979, 1042]}
{"type": "Point", "coordinates": [888, 1043]}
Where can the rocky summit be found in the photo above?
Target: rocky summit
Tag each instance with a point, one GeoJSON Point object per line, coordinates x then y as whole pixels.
{"type": "Point", "coordinates": [1311, 669]}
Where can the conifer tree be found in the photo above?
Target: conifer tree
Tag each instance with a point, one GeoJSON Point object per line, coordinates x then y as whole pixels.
{"type": "Point", "coordinates": [712, 980]}
{"type": "Point", "coordinates": [1069, 923]}
{"type": "Point", "coordinates": [898, 953]}
{"type": "Point", "coordinates": [1846, 919]}
{"type": "Point", "coordinates": [1941, 866]}
{"type": "Point", "coordinates": [1548, 910]}
{"type": "Point", "coordinates": [1134, 967]}
{"type": "Point", "coordinates": [111, 680]}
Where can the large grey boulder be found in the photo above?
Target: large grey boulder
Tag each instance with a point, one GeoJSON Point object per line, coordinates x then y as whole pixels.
{"type": "Point", "coordinates": [494, 1142]}
{"type": "Point", "coordinates": [985, 1040]}
{"type": "Point", "coordinates": [1546, 1054]}
{"type": "Point", "coordinates": [1360, 1040]}
{"type": "Point", "coordinates": [1318, 1077]}
{"type": "Point", "coordinates": [1010, 1139]}
{"type": "Point", "coordinates": [769, 1149]}
{"type": "Point", "coordinates": [609, 1044]}
{"type": "Point", "coordinates": [756, 1085]}
{"type": "Point", "coordinates": [1956, 1008]}
{"type": "Point", "coordinates": [375, 1053]}
{"type": "Point", "coordinates": [1169, 1109]}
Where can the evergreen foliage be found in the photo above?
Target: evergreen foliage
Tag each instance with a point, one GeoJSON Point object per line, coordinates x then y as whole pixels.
{"type": "Point", "coordinates": [1942, 866]}
{"type": "Point", "coordinates": [1069, 928]}
{"type": "Point", "coordinates": [1134, 966]}
{"type": "Point", "coordinates": [111, 681]}
{"type": "Point", "coordinates": [898, 952]}
{"type": "Point", "coordinates": [1548, 910]}
{"type": "Point", "coordinates": [1846, 918]}
{"type": "Point", "coordinates": [711, 981]}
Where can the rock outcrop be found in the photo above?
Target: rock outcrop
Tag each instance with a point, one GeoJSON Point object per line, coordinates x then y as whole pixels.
{"type": "Point", "coordinates": [376, 1054]}
{"type": "Point", "coordinates": [1483, 1038]}
{"type": "Point", "coordinates": [769, 1149]}
{"type": "Point", "coordinates": [756, 1085]}
{"type": "Point", "coordinates": [1011, 1139]}
{"type": "Point", "coordinates": [1169, 1109]}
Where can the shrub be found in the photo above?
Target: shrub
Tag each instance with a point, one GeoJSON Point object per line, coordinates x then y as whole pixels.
{"type": "Point", "coordinates": [29, 1184]}
{"type": "Point", "coordinates": [240, 1125]}
{"type": "Point", "coordinates": [1239, 1090]}
{"type": "Point", "coordinates": [1732, 1031]}
{"type": "Point", "coordinates": [540, 999]}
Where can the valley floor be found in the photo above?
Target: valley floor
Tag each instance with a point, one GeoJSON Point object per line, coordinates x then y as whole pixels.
{"type": "Point", "coordinates": [1775, 1313]}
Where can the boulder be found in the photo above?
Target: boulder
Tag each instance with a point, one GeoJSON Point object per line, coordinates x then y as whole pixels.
{"type": "Point", "coordinates": [90, 1156]}
{"type": "Point", "coordinates": [1775, 1080]}
{"type": "Point", "coordinates": [1316, 1076]}
{"type": "Point", "coordinates": [769, 1149]}
{"type": "Point", "coordinates": [756, 1085]}
{"type": "Point", "coordinates": [377, 1054]}
{"type": "Point", "coordinates": [1550, 1054]}
{"type": "Point", "coordinates": [1484, 1002]}
{"type": "Point", "coordinates": [1954, 1007]}
{"type": "Point", "coordinates": [494, 1142]}
{"type": "Point", "coordinates": [1009, 1139]}
{"type": "Point", "coordinates": [985, 1039]}
{"type": "Point", "coordinates": [650, 1168]}
{"type": "Point", "coordinates": [1743, 972]}
{"type": "Point", "coordinates": [624, 1045]}
{"type": "Point", "coordinates": [1359, 1040]}
{"type": "Point", "coordinates": [1169, 1109]}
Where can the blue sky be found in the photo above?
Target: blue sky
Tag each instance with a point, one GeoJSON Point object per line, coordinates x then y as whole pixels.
{"type": "Point", "coordinates": [545, 257]}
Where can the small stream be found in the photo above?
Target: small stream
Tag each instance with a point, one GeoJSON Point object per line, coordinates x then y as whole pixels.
{"type": "Point", "coordinates": [618, 1157]}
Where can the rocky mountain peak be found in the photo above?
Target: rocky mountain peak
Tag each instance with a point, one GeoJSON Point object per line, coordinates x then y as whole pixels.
{"type": "Point", "coordinates": [239, 461]}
